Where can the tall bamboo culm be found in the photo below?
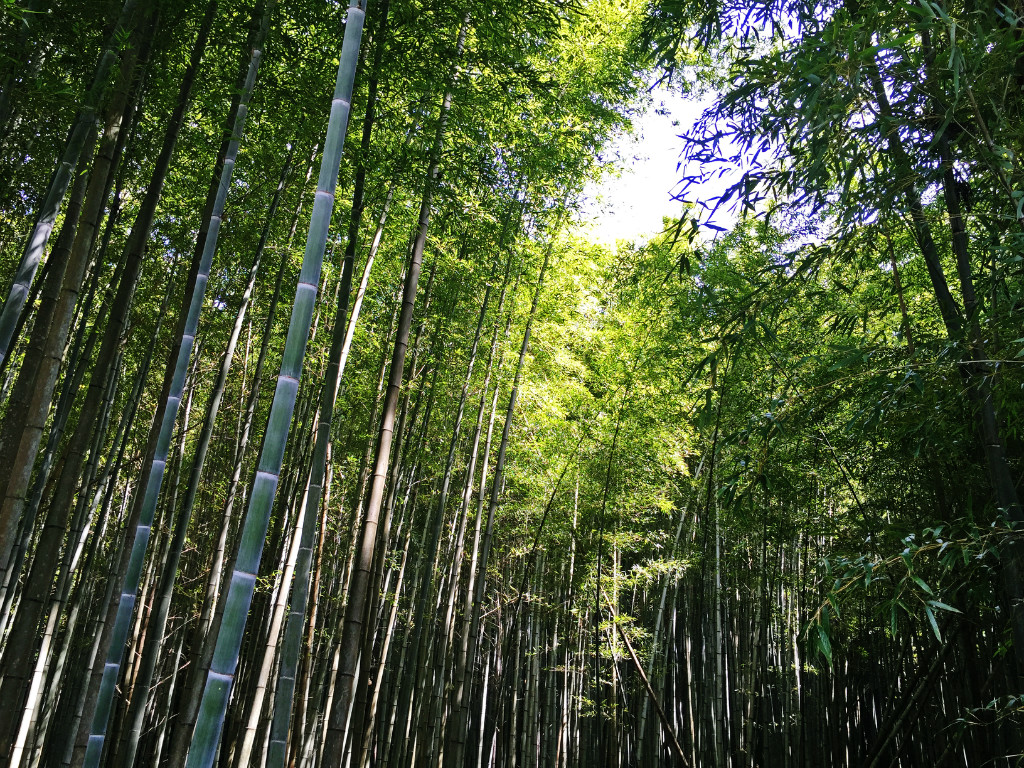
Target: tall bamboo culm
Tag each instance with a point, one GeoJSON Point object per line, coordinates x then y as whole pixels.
{"type": "Point", "coordinates": [213, 706]}
{"type": "Point", "coordinates": [130, 588]}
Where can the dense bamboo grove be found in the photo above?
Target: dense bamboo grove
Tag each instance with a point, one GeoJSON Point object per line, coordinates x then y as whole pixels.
{"type": "Point", "coordinates": [327, 439]}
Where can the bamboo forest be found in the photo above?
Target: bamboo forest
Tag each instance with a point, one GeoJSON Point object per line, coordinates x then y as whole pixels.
{"type": "Point", "coordinates": [335, 434]}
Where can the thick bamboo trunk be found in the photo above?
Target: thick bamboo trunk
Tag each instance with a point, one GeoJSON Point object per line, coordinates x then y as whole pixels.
{"type": "Point", "coordinates": [340, 343]}
{"type": "Point", "coordinates": [99, 506]}
{"type": "Point", "coordinates": [210, 614]}
{"type": "Point", "coordinates": [219, 680]}
{"type": "Point", "coordinates": [77, 538]}
{"type": "Point", "coordinates": [154, 478]}
{"type": "Point", "coordinates": [155, 636]}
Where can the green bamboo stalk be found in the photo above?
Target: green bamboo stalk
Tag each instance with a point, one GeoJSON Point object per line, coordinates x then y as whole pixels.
{"type": "Point", "coordinates": [340, 342]}
{"type": "Point", "coordinates": [455, 750]}
{"type": "Point", "coordinates": [210, 721]}
{"type": "Point", "coordinates": [84, 124]}
{"type": "Point", "coordinates": [158, 619]}
{"type": "Point", "coordinates": [130, 588]}
{"type": "Point", "coordinates": [204, 635]}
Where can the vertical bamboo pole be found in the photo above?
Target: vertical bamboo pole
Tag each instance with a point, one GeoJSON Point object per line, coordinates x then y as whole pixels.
{"type": "Point", "coordinates": [214, 703]}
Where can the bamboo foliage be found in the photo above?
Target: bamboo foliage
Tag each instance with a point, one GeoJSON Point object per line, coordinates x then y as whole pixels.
{"type": "Point", "coordinates": [724, 500]}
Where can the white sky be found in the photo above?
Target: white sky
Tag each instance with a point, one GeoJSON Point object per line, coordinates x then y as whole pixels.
{"type": "Point", "coordinates": [630, 205]}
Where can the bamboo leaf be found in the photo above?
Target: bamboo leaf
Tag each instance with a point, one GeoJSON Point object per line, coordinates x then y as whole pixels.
{"type": "Point", "coordinates": [931, 620]}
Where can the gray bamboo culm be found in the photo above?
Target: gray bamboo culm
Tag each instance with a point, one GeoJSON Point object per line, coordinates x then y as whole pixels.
{"type": "Point", "coordinates": [140, 543]}
{"type": "Point", "coordinates": [213, 706]}
{"type": "Point", "coordinates": [85, 121]}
